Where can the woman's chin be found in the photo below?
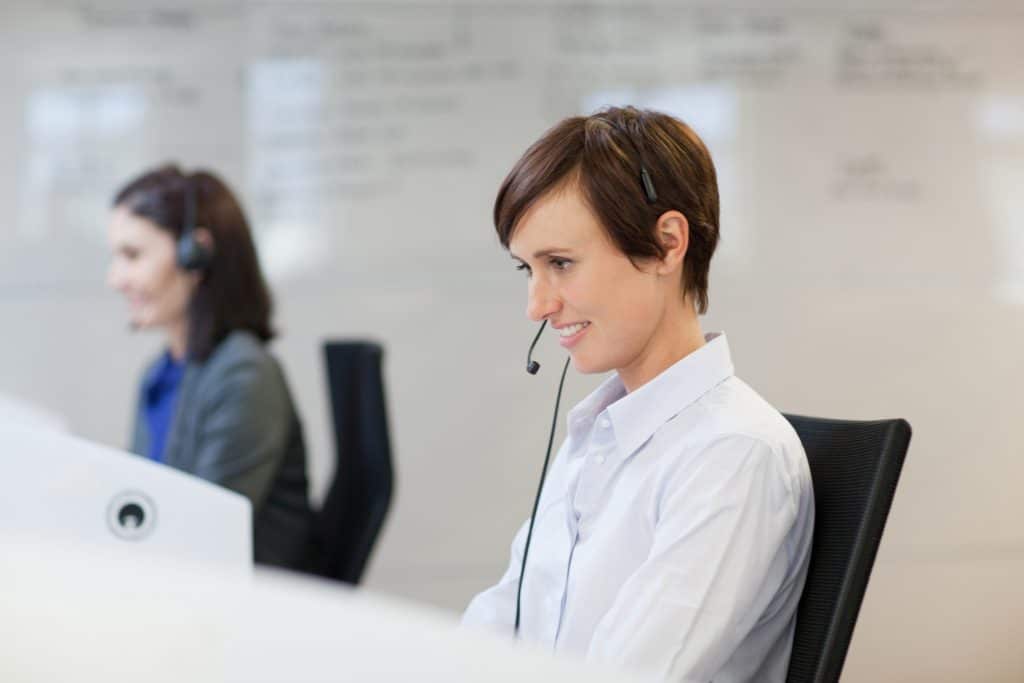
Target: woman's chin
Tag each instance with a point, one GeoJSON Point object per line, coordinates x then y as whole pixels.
{"type": "Point", "coordinates": [585, 365]}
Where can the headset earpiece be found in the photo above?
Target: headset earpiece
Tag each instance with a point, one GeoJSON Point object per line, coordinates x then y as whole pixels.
{"type": "Point", "coordinates": [192, 254]}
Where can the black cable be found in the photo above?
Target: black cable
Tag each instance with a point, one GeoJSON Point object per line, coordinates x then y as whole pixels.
{"type": "Point", "coordinates": [536, 501]}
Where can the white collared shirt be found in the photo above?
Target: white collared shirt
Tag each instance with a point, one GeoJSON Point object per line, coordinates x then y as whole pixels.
{"type": "Point", "coordinates": [673, 532]}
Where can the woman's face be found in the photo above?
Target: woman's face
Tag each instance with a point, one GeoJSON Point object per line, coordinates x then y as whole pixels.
{"type": "Point", "coordinates": [144, 269]}
{"type": "Point", "coordinates": [608, 313]}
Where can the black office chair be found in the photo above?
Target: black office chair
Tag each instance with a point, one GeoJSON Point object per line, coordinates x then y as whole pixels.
{"type": "Point", "coordinates": [346, 527]}
{"type": "Point", "coordinates": [855, 467]}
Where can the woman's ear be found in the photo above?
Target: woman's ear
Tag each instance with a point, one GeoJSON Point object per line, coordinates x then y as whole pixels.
{"type": "Point", "coordinates": [205, 238]}
{"type": "Point", "coordinates": [673, 231]}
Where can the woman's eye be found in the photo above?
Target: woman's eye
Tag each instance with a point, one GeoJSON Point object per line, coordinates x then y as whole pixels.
{"type": "Point", "coordinates": [523, 266]}
{"type": "Point", "coordinates": [561, 263]}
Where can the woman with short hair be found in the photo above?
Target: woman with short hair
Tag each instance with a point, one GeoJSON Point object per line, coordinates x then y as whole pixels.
{"type": "Point", "coordinates": [673, 532]}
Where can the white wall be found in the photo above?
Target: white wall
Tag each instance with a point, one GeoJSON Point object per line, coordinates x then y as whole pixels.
{"type": "Point", "coordinates": [872, 262]}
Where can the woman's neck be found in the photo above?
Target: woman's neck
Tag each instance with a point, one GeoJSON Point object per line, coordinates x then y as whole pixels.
{"type": "Point", "coordinates": [678, 335]}
{"type": "Point", "coordinates": [177, 340]}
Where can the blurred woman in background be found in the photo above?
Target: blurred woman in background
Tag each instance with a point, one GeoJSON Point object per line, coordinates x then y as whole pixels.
{"type": "Point", "coordinates": [215, 402]}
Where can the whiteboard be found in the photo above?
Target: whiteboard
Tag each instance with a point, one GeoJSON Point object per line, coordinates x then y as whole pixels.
{"type": "Point", "coordinates": [871, 263]}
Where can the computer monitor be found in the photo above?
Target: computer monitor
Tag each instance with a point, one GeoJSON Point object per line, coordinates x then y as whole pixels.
{"type": "Point", "coordinates": [55, 488]}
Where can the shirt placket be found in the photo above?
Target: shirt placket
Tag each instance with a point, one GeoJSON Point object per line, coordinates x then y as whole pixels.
{"type": "Point", "coordinates": [583, 497]}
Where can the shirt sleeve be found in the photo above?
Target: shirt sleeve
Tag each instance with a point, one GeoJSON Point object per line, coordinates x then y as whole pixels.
{"type": "Point", "coordinates": [495, 608]}
{"type": "Point", "coordinates": [717, 561]}
{"type": "Point", "coordinates": [244, 431]}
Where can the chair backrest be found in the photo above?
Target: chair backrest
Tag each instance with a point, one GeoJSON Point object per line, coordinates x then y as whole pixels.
{"type": "Point", "coordinates": [854, 467]}
{"type": "Point", "coordinates": [347, 526]}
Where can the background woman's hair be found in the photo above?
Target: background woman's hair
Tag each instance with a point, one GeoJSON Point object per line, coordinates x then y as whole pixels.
{"type": "Point", "coordinates": [232, 293]}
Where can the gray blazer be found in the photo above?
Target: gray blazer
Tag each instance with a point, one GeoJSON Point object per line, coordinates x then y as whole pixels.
{"type": "Point", "coordinates": [235, 425]}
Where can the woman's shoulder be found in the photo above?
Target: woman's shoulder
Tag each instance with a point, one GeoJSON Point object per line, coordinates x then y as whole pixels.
{"type": "Point", "coordinates": [242, 368]}
{"type": "Point", "coordinates": [241, 351]}
{"type": "Point", "coordinates": [240, 343]}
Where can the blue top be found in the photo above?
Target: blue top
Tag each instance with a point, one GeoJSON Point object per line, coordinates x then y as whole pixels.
{"type": "Point", "coordinates": [160, 395]}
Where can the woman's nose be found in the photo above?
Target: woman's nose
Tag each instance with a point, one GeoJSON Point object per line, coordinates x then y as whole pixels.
{"type": "Point", "coordinates": [541, 301]}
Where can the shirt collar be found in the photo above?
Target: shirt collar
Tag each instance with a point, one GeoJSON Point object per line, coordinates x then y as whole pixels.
{"type": "Point", "coordinates": [636, 416]}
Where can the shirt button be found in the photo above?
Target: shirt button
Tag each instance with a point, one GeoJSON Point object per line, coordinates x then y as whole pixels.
{"type": "Point", "coordinates": [599, 459]}
{"type": "Point", "coordinates": [605, 424]}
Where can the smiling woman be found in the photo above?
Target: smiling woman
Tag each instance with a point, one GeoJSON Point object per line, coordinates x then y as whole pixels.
{"type": "Point", "coordinates": [215, 403]}
{"type": "Point", "coordinates": [610, 313]}
{"type": "Point", "coordinates": [143, 269]}
{"type": "Point", "coordinates": [675, 525]}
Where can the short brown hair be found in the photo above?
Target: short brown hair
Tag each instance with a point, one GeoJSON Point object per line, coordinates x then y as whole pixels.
{"type": "Point", "coordinates": [602, 155]}
{"type": "Point", "coordinates": [232, 294]}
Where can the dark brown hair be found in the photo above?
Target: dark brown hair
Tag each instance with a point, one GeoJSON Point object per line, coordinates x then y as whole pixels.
{"type": "Point", "coordinates": [602, 155]}
{"type": "Point", "coordinates": [232, 294]}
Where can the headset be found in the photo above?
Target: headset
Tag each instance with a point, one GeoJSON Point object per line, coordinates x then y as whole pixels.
{"type": "Point", "coordinates": [193, 255]}
{"type": "Point", "coordinates": [646, 184]}
{"type": "Point", "coordinates": [532, 366]}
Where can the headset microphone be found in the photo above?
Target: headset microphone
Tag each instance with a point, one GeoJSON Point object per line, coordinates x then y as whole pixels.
{"type": "Point", "coordinates": [533, 366]}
